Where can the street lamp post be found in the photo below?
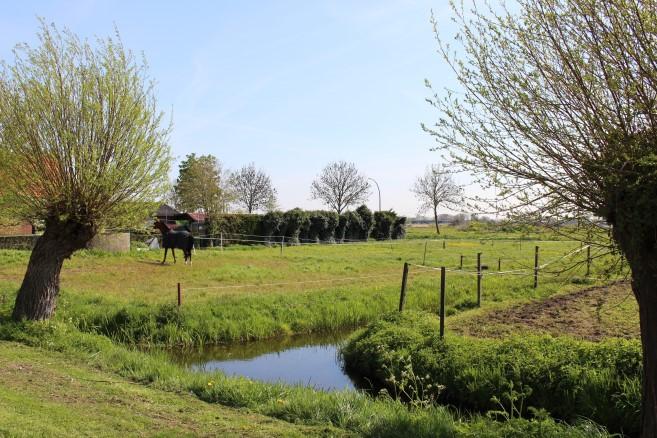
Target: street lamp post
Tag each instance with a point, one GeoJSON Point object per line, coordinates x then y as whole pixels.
{"type": "Point", "coordinates": [379, 190]}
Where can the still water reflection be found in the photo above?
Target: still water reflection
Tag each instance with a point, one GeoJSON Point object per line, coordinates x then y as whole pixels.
{"type": "Point", "coordinates": [311, 360]}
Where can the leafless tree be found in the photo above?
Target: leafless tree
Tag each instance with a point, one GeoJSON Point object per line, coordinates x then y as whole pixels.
{"type": "Point", "coordinates": [437, 188]}
{"type": "Point", "coordinates": [252, 189]}
{"type": "Point", "coordinates": [340, 185]}
{"type": "Point", "coordinates": [559, 112]}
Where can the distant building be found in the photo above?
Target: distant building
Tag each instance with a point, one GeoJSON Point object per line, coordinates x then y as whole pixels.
{"type": "Point", "coordinates": [167, 214]}
{"type": "Point", "coordinates": [196, 222]}
{"type": "Point", "coordinates": [22, 228]}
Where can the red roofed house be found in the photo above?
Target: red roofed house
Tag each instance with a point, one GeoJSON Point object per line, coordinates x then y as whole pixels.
{"type": "Point", "coordinates": [196, 222]}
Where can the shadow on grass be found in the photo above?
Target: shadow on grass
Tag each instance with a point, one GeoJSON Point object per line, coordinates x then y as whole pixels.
{"type": "Point", "coordinates": [153, 263]}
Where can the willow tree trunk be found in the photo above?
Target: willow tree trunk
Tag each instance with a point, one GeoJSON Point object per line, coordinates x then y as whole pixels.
{"type": "Point", "coordinates": [37, 297]}
{"type": "Point", "coordinates": [644, 286]}
{"type": "Point", "coordinates": [435, 218]}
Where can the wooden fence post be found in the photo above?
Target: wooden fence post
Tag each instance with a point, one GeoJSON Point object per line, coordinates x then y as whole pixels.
{"type": "Point", "coordinates": [282, 241]}
{"type": "Point", "coordinates": [179, 295]}
{"type": "Point", "coordinates": [443, 243]}
{"type": "Point", "coordinates": [424, 257]}
{"type": "Point", "coordinates": [499, 264]}
{"type": "Point", "coordinates": [402, 294]}
{"type": "Point", "coordinates": [478, 279]}
{"type": "Point", "coordinates": [588, 260]}
{"type": "Point", "coordinates": [461, 265]}
{"type": "Point", "coordinates": [221, 240]}
{"type": "Point", "coordinates": [535, 267]}
{"type": "Point", "coordinates": [442, 302]}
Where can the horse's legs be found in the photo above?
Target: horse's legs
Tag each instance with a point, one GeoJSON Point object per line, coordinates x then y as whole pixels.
{"type": "Point", "coordinates": [165, 255]}
{"type": "Point", "coordinates": [173, 251]}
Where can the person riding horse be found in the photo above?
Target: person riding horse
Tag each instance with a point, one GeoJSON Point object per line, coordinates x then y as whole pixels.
{"type": "Point", "coordinates": [180, 239]}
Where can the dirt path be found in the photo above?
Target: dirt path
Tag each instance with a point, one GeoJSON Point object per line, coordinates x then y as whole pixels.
{"type": "Point", "coordinates": [592, 314]}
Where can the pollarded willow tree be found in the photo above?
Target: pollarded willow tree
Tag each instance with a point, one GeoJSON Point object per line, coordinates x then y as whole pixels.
{"type": "Point", "coordinates": [437, 188]}
{"type": "Point", "coordinates": [559, 112]}
{"type": "Point", "coordinates": [80, 143]}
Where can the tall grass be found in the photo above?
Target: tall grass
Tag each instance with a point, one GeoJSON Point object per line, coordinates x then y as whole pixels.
{"type": "Point", "coordinates": [252, 316]}
{"type": "Point", "coordinates": [570, 379]}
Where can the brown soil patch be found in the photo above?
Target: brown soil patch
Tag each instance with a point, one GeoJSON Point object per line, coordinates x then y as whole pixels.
{"type": "Point", "coordinates": [591, 314]}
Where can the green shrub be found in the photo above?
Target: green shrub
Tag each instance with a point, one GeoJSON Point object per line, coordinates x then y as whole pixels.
{"type": "Point", "coordinates": [294, 220]}
{"type": "Point", "coordinates": [366, 222]}
{"type": "Point", "coordinates": [341, 229]}
{"type": "Point", "coordinates": [322, 225]}
{"type": "Point", "coordinates": [354, 227]}
{"type": "Point", "coordinates": [399, 228]}
{"type": "Point", "coordinates": [272, 223]}
{"type": "Point", "coordinates": [568, 378]}
{"type": "Point", "coordinates": [302, 226]}
{"type": "Point", "coordinates": [383, 222]}
{"type": "Point", "coordinates": [243, 226]}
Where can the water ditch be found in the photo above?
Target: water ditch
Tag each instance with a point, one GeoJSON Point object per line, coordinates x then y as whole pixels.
{"type": "Point", "coordinates": [309, 360]}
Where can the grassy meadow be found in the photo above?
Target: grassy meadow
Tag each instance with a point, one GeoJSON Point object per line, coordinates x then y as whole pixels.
{"type": "Point", "coordinates": [111, 303]}
{"type": "Point", "coordinates": [254, 292]}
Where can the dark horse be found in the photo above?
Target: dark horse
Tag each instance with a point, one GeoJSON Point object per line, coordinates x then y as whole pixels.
{"type": "Point", "coordinates": [181, 239]}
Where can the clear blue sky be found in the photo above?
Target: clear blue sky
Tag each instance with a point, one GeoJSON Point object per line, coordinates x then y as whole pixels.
{"type": "Point", "coordinates": [289, 85]}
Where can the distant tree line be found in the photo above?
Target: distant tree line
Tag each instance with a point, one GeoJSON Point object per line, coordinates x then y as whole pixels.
{"type": "Point", "coordinates": [301, 226]}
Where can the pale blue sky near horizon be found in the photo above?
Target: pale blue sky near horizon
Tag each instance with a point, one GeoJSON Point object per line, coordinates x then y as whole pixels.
{"type": "Point", "coordinates": [288, 85]}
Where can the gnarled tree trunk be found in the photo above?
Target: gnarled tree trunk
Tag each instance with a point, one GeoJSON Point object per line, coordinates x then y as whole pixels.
{"type": "Point", "coordinates": [37, 296]}
{"type": "Point", "coordinates": [635, 236]}
{"type": "Point", "coordinates": [644, 286]}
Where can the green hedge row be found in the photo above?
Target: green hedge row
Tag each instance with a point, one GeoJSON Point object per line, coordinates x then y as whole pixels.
{"type": "Point", "coordinates": [301, 226]}
{"type": "Point", "coordinates": [570, 379]}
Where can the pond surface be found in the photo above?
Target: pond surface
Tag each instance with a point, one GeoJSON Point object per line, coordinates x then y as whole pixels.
{"type": "Point", "coordinates": [310, 360]}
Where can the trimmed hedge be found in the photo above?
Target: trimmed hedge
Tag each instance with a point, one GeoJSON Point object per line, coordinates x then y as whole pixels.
{"type": "Point", "coordinates": [301, 226]}
{"type": "Point", "coordinates": [247, 224]}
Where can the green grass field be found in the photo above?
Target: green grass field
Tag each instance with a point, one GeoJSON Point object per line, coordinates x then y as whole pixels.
{"type": "Point", "coordinates": [255, 292]}
{"type": "Point", "coordinates": [245, 293]}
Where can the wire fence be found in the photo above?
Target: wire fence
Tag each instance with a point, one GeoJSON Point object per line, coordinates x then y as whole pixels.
{"type": "Point", "coordinates": [537, 271]}
{"type": "Point", "coordinates": [225, 240]}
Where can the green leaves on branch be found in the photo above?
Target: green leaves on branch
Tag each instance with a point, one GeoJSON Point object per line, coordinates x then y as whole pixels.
{"type": "Point", "coordinates": [201, 185]}
{"type": "Point", "coordinates": [81, 137]}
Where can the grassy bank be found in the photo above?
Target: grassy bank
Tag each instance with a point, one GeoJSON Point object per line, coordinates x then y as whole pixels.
{"type": "Point", "coordinates": [47, 393]}
{"type": "Point", "coordinates": [355, 413]}
{"type": "Point", "coordinates": [568, 378]}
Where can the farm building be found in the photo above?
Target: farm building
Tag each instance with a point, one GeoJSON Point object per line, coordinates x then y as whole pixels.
{"type": "Point", "coordinates": [197, 222]}
{"type": "Point", "coordinates": [18, 229]}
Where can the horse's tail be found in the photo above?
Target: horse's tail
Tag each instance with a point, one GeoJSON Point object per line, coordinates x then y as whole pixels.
{"type": "Point", "coordinates": [190, 243]}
